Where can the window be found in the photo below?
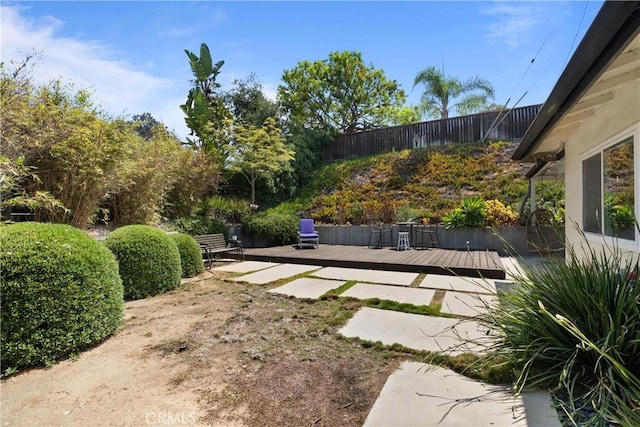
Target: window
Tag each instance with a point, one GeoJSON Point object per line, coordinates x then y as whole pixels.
{"type": "Point", "coordinates": [608, 191]}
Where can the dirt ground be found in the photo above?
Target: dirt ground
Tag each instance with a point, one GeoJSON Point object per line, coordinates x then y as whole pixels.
{"type": "Point", "coordinates": [212, 353]}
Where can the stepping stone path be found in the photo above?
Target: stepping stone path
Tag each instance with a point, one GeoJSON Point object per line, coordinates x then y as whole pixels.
{"type": "Point", "coordinates": [370, 276]}
{"type": "Point", "coordinates": [418, 394]}
{"type": "Point", "coordinates": [271, 274]}
{"type": "Point", "coordinates": [424, 395]}
{"type": "Point", "coordinates": [431, 333]}
{"type": "Point", "coordinates": [465, 304]}
{"type": "Point", "coordinates": [456, 283]}
{"type": "Point", "coordinates": [246, 266]}
{"type": "Point", "coordinates": [307, 287]}
{"type": "Point", "coordinates": [392, 293]}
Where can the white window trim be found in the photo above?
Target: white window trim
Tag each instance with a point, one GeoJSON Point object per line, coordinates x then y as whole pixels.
{"type": "Point", "coordinates": [634, 131]}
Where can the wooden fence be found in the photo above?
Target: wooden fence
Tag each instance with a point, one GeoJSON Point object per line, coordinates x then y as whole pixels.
{"type": "Point", "coordinates": [463, 129]}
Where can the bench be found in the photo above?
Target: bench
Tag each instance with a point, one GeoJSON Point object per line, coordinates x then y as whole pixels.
{"type": "Point", "coordinates": [212, 244]}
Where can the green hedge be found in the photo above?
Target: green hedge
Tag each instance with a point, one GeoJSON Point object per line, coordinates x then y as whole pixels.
{"type": "Point", "coordinates": [149, 261]}
{"type": "Point", "coordinates": [190, 254]}
{"type": "Point", "coordinates": [60, 293]}
{"type": "Point", "coordinates": [276, 229]}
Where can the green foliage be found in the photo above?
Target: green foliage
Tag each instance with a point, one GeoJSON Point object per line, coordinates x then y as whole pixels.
{"type": "Point", "coordinates": [196, 178]}
{"type": "Point", "coordinates": [276, 229]}
{"type": "Point", "coordinates": [225, 209]}
{"type": "Point", "coordinates": [307, 144]}
{"type": "Point", "coordinates": [550, 196]}
{"type": "Point", "coordinates": [573, 326]}
{"type": "Point", "coordinates": [67, 150]}
{"type": "Point", "coordinates": [340, 93]}
{"type": "Point", "coordinates": [148, 170]}
{"type": "Point", "coordinates": [454, 219]}
{"type": "Point", "coordinates": [474, 94]}
{"type": "Point", "coordinates": [64, 160]}
{"type": "Point", "coordinates": [148, 259]}
{"type": "Point", "coordinates": [60, 293]}
{"type": "Point", "coordinates": [195, 226]}
{"type": "Point", "coordinates": [471, 213]}
{"type": "Point", "coordinates": [206, 114]}
{"type": "Point", "coordinates": [433, 180]}
{"type": "Point", "coordinates": [259, 153]}
{"type": "Point", "coordinates": [190, 254]}
{"type": "Point", "coordinates": [408, 213]}
{"type": "Point", "coordinates": [248, 104]}
{"type": "Point", "coordinates": [497, 214]}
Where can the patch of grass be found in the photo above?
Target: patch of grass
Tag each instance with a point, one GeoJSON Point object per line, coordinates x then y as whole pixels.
{"type": "Point", "coordinates": [403, 307]}
{"type": "Point", "coordinates": [499, 371]}
{"type": "Point", "coordinates": [334, 293]}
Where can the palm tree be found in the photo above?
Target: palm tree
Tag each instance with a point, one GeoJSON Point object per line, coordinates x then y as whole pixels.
{"type": "Point", "coordinates": [440, 91]}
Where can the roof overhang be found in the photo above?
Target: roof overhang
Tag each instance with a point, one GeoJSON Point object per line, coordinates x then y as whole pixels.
{"type": "Point", "coordinates": [607, 57]}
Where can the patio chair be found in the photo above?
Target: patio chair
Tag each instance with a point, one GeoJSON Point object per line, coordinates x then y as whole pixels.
{"type": "Point", "coordinates": [380, 233]}
{"type": "Point", "coordinates": [429, 232]}
{"type": "Point", "coordinates": [307, 233]}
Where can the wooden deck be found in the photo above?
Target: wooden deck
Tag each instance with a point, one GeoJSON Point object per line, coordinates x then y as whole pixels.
{"type": "Point", "coordinates": [439, 261]}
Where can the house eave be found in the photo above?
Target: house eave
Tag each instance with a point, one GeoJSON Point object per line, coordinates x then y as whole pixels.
{"type": "Point", "coordinates": [614, 27]}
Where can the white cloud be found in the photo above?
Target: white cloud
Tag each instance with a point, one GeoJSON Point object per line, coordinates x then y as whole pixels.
{"type": "Point", "coordinates": [514, 23]}
{"type": "Point", "coordinates": [118, 86]}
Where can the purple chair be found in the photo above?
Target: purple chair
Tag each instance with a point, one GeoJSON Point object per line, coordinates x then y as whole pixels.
{"type": "Point", "coordinates": [307, 233]}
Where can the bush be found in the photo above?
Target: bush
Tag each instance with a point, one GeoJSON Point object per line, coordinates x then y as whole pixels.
{"type": "Point", "coordinates": [497, 214]}
{"type": "Point", "coordinates": [575, 327]}
{"type": "Point", "coordinates": [190, 254]}
{"type": "Point", "coordinates": [195, 226]}
{"type": "Point", "coordinates": [471, 213]}
{"type": "Point", "coordinates": [224, 209]}
{"type": "Point", "coordinates": [149, 261]}
{"type": "Point", "coordinates": [276, 229]}
{"type": "Point", "coordinates": [60, 293]}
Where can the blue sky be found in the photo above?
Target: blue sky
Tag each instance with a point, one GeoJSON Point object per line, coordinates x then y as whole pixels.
{"type": "Point", "coordinates": [131, 54]}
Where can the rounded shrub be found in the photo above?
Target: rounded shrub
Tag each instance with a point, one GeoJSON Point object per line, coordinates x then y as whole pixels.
{"type": "Point", "coordinates": [149, 261]}
{"type": "Point", "coordinates": [190, 254]}
{"type": "Point", "coordinates": [60, 293]}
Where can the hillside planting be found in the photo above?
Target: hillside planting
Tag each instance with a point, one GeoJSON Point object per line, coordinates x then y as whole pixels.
{"type": "Point", "coordinates": [431, 181]}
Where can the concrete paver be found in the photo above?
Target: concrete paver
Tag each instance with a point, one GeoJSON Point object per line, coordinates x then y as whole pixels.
{"type": "Point", "coordinates": [245, 266]}
{"type": "Point", "coordinates": [415, 331]}
{"type": "Point", "coordinates": [512, 267]}
{"type": "Point", "coordinates": [371, 276]}
{"type": "Point", "coordinates": [459, 283]}
{"type": "Point", "coordinates": [278, 272]}
{"type": "Point", "coordinates": [426, 395]}
{"type": "Point", "coordinates": [307, 287]}
{"type": "Point", "coordinates": [464, 304]}
{"type": "Point", "coordinates": [391, 293]}
{"type": "Point", "coordinates": [418, 394]}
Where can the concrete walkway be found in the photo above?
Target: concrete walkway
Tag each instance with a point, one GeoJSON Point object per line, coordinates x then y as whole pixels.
{"type": "Point", "coordinates": [418, 394]}
{"type": "Point", "coordinates": [424, 395]}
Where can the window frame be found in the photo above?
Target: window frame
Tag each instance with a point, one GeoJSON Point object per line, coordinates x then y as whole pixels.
{"type": "Point", "coordinates": [601, 237]}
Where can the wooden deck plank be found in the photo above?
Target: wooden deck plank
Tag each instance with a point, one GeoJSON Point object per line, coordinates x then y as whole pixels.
{"type": "Point", "coordinates": [439, 261]}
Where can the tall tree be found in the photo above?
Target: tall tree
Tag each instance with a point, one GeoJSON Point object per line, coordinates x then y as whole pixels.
{"type": "Point", "coordinates": [145, 123]}
{"type": "Point", "coordinates": [259, 152]}
{"type": "Point", "coordinates": [248, 104]}
{"type": "Point", "coordinates": [441, 92]}
{"type": "Point", "coordinates": [340, 93]}
{"type": "Point", "coordinates": [206, 114]}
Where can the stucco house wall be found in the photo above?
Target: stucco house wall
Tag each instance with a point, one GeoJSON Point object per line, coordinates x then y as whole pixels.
{"type": "Point", "coordinates": [610, 122]}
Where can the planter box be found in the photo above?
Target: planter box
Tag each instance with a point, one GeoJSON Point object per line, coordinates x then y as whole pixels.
{"type": "Point", "coordinates": [507, 240]}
